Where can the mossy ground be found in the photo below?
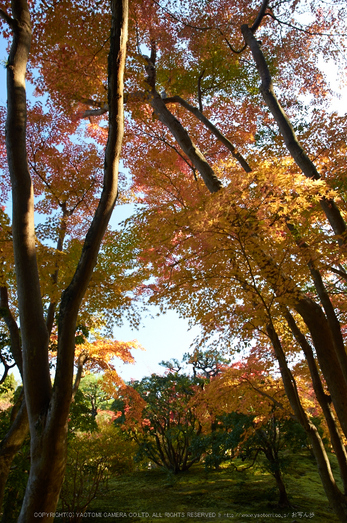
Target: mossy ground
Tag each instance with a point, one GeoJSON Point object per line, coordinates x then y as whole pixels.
{"type": "Point", "coordinates": [226, 495]}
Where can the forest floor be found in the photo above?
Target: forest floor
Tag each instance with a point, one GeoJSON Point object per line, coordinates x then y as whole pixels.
{"type": "Point", "coordinates": [227, 495]}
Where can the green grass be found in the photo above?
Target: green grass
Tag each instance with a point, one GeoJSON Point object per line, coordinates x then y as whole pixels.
{"type": "Point", "coordinates": [227, 495]}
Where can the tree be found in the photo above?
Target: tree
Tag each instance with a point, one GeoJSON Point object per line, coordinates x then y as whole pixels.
{"type": "Point", "coordinates": [48, 407]}
{"type": "Point", "coordinates": [88, 400]}
{"type": "Point", "coordinates": [155, 412]}
{"type": "Point", "coordinates": [250, 415]}
{"type": "Point", "coordinates": [266, 231]}
{"type": "Point", "coordinates": [170, 199]}
{"type": "Point", "coordinates": [5, 357]}
{"type": "Point", "coordinates": [93, 459]}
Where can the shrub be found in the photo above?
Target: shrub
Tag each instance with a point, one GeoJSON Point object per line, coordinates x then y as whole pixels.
{"type": "Point", "coordinates": [93, 458]}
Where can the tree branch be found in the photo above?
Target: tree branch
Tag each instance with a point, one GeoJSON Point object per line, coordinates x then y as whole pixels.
{"type": "Point", "coordinates": [36, 375]}
{"type": "Point", "coordinates": [82, 358]}
{"type": "Point", "coordinates": [183, 139]}
{"type": "Point", "coordinates": [198, 114]}
{"type": "Point", "coordinates": [7, 368]}
{"type": "Point", "coordinates": [73, 295]}
{"type": "Point", "coordinates": [7, 19]}
{"type": "Point", "coordinates": [95, 112]}
{"type": "Point", "coordinates": [199, 90]}
{"type": "Point", "coordinates": [294, 147]}
{"type": "Point", "coordinates": [339, 272]}
{"type": "Point", "coordinates": [260, 16]}
{"type": "Point", "coordinates": [7, 316]}
{"type": "Point", "coordinates": [301, 29]}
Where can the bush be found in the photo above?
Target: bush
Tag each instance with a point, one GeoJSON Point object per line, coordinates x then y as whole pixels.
{"type": "Point", "coordinates": [93, 458]}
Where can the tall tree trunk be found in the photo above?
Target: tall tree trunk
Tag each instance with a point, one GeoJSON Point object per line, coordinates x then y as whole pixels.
{"type": "Point", "coordinates": [334, 495]}
{"type": "Point", "coordinates": [323, 400]}
{"type": "Point", "coordinates": [48, 409]}
{"type": "Point", "coordinates": [294, 147]}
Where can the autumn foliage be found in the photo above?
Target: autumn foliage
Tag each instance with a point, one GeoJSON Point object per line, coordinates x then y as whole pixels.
{"type": "Point", "coordinates": [238, 171]}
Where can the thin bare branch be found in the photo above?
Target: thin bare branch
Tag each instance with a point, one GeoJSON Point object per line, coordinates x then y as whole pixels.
{"type": "Point", "coordinates": [301, 29]}
{"type": "Point", "coordinates": [199, 90]}
{"type": "Point", "coordinates": [260, 16]}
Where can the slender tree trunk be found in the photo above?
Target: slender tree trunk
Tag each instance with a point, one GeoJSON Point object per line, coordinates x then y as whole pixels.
{"type": "Point", "coordinates": [294, 147]}
{"type": "Point", "coordinates": [48, 409]}
{"type": "Point", "coordinates": [323, 400]}
{"type": "Point", "coordinates": [268, 447]}
{"type": "Point", "coordinates": [334, 495]}
{"type": "Point", "coordinates": [60, 244]}
{"type": "Point", "coordinates": [283, 499]}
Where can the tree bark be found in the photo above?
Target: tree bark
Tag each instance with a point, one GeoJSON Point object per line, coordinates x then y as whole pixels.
{"type": "Point", "coordinates": [48, 409]}
{"type": "Point", "coordinates": [283, 499]}
{"type": "Point", "coordinates": [34, 334]}
{"type": "Point", "coordinates": [60, 244]}
{"type": "Point", "coordinates": [334, 495]}
{"type": "Point", "coordinates": [319, 328]}
{"type": "Point", "coordinates": [323, 400]}
{"type": "Point", "coordinates": [331, 316]}
{"type": "Point", "coordinates": [184, 141]}
{"type": "Point", "coordinates": [332, 319]}
{"type": "Point", "coordinates": [296, 150]}
{"type": "Point", "coordinates": [177, 130]}
{"type": "Point", "coordinates": [198, 114]}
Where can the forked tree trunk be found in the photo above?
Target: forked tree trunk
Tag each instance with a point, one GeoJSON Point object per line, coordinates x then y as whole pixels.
{"type": "Point", "coordinates": [319, 328]}
{"type": "Point", "coordinates": [323, 400]}
{"type": "Point", "coordinates": [48, 408]}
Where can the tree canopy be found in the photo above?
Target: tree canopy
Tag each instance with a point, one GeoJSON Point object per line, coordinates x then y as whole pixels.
{"type": "Point", "coordinates": [237, 166]}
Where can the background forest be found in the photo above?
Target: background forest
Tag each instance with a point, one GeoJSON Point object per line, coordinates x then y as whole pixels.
{"type": "Point", "coordinates": [219, 113]}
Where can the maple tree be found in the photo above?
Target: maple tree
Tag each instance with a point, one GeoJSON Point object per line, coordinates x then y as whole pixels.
{"type": "Point", "coordinates": [249, 413]}
{"type": "Point", "coordinates": [48, 406]}
{"type": "Point", "coordinates": [245, 245]}
{"type": "Point", "coordinates": [278, 238]}
{"type": "Point", "coordinates": [155, 412]}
